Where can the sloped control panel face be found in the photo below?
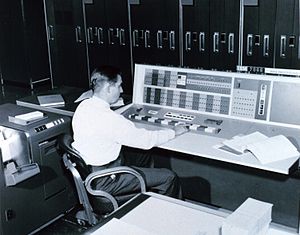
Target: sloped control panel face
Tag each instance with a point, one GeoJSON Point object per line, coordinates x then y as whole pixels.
{"type": "Point", "coordinates": [249, 97]}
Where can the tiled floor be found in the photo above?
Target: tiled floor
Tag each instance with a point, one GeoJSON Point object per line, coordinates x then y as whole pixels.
{"type": "Point", "coordinates": [66, 224]}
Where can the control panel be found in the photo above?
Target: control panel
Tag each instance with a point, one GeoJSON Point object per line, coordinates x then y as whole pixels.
{"type": "Point", "coordinates": [168, 118]}
{"type": "Point", "coordinates": [49, 125]}
{"type": "Point", "coordinates": [191, 91]}
{"type": "Point", "coordinates": [222, 94]}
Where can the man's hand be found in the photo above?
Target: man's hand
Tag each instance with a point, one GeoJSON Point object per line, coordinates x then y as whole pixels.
{"type": "Point", "coordinates": [180, 129]}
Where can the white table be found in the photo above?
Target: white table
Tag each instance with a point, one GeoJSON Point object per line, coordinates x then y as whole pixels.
{"type": "Point", "coordinates": [163, 215]}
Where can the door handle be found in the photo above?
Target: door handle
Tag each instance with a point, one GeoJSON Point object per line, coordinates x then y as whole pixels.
{"type": "Point", "coordinates": [122, 37]}
{"type": "Point", "coordinates": [249, 44]}
{"type": "Point", "coordinates": [110, 36]}
{"type": "Point", "coordinates": [216, 42]}
{"type": "Point", "coordinates": [172, 40]}
{"type": "Point", "coordinates": [188, 41]}
{"type": "Point", "coordinates": [100, 36]}
{"type": "Point", "coordinates": [266, 45]}
{"type": "Point", "coordinates": [231, 43]}
{"type": "Point", "coordinates": [159, 39]}
{"type": "Point", "coordinates": [78, 34]}
{"type": "Point", "coordinates": [147, 39]}
{"type": "Point", "coordinates": [90, 36]}
{"type": "Point", "coordinates": [51, 32]}
{"type": "Point", "coordinates": [135, 38]}
{"type": "Point", "coordinates": [282, 46]}
{"type": "Point", "coordinates": [201, 41]}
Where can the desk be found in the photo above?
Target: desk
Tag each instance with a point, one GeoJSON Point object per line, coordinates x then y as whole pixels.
{"type": "Point", "coordinates": [203, 145]}
{"type": "Point", "coordinates": [228, 185]}
{"type": "Point", "coordinates": [69, 95]}
{"type": "Point", "coordinates": [157, 214]}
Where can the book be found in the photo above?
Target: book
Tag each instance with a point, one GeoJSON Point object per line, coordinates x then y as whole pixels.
{"type": "Point", "coordinates": [239, 143]}
{"type": "Point", "coordinates": [27, 118]}
{"type": "Point", "coordinates": [265, 149]}
{"type": "Point", "coordinates": [54, 100]}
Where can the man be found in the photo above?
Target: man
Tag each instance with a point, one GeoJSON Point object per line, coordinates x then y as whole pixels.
{"type": "Point", "coordinates": [99, 134]}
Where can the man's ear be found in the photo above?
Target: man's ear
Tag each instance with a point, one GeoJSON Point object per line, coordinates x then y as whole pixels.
{"type": "Point", "coordinates": [106, 88]}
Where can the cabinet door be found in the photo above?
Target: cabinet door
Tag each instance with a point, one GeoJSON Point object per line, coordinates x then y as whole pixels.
{"type": "Point", "coordinates": [296, 50]}
{"type": "Point", "coordinates": [12, 47]}
{"type": "Point", "coordinates": [96, 31]}
{"type": "Point", "coordinates": [196, 39]}
{"type": "Point", "coordinates": [286, 23]}
{"type": "Point", "coordinates": [108, 37]}
{"type": "Point", "coordinates": [258, 37]}
{"type": "Point", "coordinates": [67, 42]}
{"type": "Point", "coordinates": [118, 40]}
{"type": "Point", "coordinates": [35, 39]}
{"type": "Point", "coordinates": [224, 29]}
{"type": "Point", "coordinates": [23, 42]}
{"type": "Point", "coordinates": [155, 32]}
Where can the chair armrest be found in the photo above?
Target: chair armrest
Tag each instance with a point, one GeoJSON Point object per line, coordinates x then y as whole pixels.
{"type": "Point", "coordinates": [108, 172]}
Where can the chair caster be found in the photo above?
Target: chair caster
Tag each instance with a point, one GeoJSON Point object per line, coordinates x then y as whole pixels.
{"type": "Point", "coordinates": [81, 222]}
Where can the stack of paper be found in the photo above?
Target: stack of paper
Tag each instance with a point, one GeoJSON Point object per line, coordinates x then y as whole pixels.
{"type": "Point", "coordinates": [240, 143]}
{"type": "Point", "coordinates": [55, 100]}
{"type": "Point", "coordinates": [265, 149]}
{"type": "Point", "coordinates": [251, 218]}
{"type": "Point", "coordinates": [26, 118]}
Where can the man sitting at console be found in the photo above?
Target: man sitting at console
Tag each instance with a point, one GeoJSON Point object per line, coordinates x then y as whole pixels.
{"type": "Point", "coordinates": [99, 134]}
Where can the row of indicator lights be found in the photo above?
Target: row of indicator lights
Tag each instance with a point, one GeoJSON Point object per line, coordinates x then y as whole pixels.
{"type": "Point", "coordinates": [49, 125]}
{"type": "Point", "coordinates": [162, 121]}
{"type": "Point", "coordinates": [180, 116]}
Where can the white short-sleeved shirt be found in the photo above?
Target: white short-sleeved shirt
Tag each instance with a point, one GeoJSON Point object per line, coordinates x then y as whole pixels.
{"type": "Point", "coordinates": [99, 133]}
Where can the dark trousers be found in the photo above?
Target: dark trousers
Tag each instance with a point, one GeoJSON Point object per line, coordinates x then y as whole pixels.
{"type": "Point", "coordinates": [160, 180]}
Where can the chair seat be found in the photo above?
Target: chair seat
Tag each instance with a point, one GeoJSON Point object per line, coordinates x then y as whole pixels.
{"type": "Point", "coordinates": [104, 206]}
{"type": "Point", "coordinates": [92, 200]}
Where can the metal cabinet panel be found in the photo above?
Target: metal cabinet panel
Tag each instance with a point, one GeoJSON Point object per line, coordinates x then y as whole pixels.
{"type": "Point", "coordinates": [108, 37]}
{"type": "Point", "coordinates": [22, 25]}
{"type": "Point", "coordinates": [155, 32]}
{"type": "Point", "coordinates": [286, 38]}
{"type": "Point", "coordinates": [196, 35]}
{"type": "Point", "coordinates": [96, 30]}
{"type": "Point", "coordinates": [67, 40]}
{"type": "Point", "coordinates": [224, 31]}
{"type": "Point", "coordinates": [259, 22]}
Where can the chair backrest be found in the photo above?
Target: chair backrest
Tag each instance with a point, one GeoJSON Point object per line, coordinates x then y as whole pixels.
{"type": "Point", "coordinates": [70, 157]}
{"type": "Point", "coordinates": [65, 143]}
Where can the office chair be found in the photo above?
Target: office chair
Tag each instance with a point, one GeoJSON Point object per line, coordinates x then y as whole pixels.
{"type": "Point", "coordinates": [94, 202]}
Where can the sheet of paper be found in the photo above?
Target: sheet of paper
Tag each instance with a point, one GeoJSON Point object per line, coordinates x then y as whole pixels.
{"type": "Point", "coordinates": [239, 143]}
{"type": "Point", "coordinates": [273, 149]}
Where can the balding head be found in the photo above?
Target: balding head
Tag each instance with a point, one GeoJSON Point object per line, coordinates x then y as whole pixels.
{"type": "Point", "coordinates": [106, 83]}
